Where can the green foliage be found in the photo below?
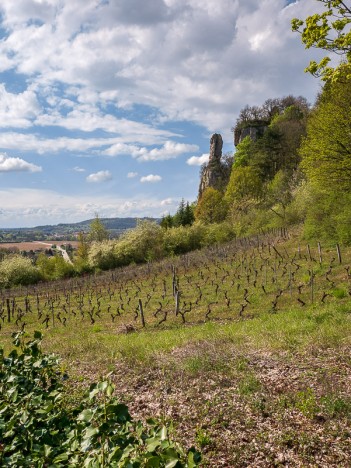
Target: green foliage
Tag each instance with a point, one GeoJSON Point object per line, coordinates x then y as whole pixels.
{"type": "Point", "coordinates": [262, 116]}
{"type": "Point", "coordinates": [243, 153]}
{"type": "Point", "coordinates": [54, 267]}
{"type": "Point", "coordinates": [102, 255]}
{"type": "Point", "coordinates": [328, 216]}
{"type": "Point", "coordinates": [328, 31]}
{"type": "Point", "coordinates": [37, 429]}
{"type": "Point", "coordinates": [182, 239]}
{"type": "Point", "coordinates": [184, 215]}
{"type": "Point", "coordinates": [326, 160]}
{"type": "Point", "coordinates": [211, 208]}
{"type": "Point", "coordinates": [166, 221]}
{"type": "Point", "coordinates": [81, 258]}
{"type": "Point", "coordinates": [217, 233]}
{"type": "Point", "coordinates": [17, 270]}
{"type": "Point", "coordinates": [98, 231]}
{"type": "Point", "coordinates": [306, 402]}
{"type": "Point", "coordinates": [244, 183]}
{"type": "Point", "coordinates": [137, 245]}
{"type": "Point", "coordinates": [203, 438]}
{"type": "Point", "coordinates": [326, 150]}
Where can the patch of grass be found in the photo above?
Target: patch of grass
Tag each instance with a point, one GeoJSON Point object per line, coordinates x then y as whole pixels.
{"type": "Point", "coordinates": [306, 402]}
{"type": "Point", "coordinates": [204, 363]}
{"type": "Point", "coordinates": [248, 385]}
{"type": "Point", "coordinates": [241, 364]}
{"type": "Point", "coordinates": [339, 293]}
{"type": "Point", "coordinates": [335, 406]}
{"type": "Point", "coordinates": [203, 438]}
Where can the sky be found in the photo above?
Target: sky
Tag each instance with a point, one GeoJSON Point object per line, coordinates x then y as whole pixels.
{"type": "Point", "coordinates": [107, 106]}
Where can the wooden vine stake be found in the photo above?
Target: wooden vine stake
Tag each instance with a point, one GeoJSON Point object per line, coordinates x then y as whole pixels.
{"type": "Point", "coordinates": [8, 310]}
{"type": "Point", "coordinates": [309, 252]}
{"type": "Point", "coordinates": [339, 253]}
{"type": "Point", "coordinates": [177, 302]}
{"type": "Point", "coordinates": [320, 253]}
{"type": "Point", "coordinates": [141, 313]}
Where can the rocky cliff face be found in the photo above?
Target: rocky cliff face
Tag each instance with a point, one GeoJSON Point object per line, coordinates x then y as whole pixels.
{"type": "Point", "coordinates": [212, 175]}
{"type": "Point", "coordinates": [254, 132]}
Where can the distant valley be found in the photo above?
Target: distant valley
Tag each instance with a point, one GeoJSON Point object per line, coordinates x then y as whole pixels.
{"type": "Point", "coordinates": [66, 231]}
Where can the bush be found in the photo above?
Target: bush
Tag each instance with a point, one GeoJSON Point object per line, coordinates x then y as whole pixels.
{"type": "Point", "coordinates": [138, 245]}
{"type": "Point", "coordinates": [182, 239]}
{"type": "Point", "coordinates": [101, 255]}
{"type": "Point", "coordinates": [217, 234]}
{"type": "Point", "coordinates": [16, 270]}
{"type": "Point", "coordinates": [37, 429]}
{"type": "Point", "coordinates": [56, 267]}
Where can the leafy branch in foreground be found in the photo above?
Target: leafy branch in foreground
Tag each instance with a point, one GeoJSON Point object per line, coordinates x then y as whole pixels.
{"type": "Point", "coordinates": [329, 31]}
{"type": "Point", "coordinates": [37, 429]}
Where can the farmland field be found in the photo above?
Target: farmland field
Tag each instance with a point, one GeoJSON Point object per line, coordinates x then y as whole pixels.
{"type": "Point", "coordinates": [35, 245]}
{"type": "Point", "coordinates": [245, 346]}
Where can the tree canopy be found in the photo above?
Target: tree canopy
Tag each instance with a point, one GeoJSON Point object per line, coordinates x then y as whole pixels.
{"type": "Point", "coordinates": [98, 231]}
{"type": "Point", "coordinates": [211, 207]}
{"type": "Point", "coordinates": [329, 31]}
{"type": "Point", "coordinates": [326, 150]}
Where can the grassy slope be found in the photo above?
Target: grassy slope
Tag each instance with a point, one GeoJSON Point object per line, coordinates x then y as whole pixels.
{"type": "Point", "coordinates": [259, 374]}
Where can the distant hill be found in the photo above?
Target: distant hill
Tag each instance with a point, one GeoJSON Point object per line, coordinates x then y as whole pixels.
{"type": "Point", "coordinates": [67, 231]}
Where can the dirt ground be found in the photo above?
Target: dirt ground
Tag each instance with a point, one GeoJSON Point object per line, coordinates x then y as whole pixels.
{"type": "Point", "coordinates": [253, 410]}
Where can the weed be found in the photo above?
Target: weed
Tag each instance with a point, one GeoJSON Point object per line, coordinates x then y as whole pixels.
{"type": "Point", "coordinates": [203, 438]}
{"type": "Point", "coordinates": [248, 385]}
{"type": "Point", "coordinates": [336, 406]}
{"type": "Point", "coordinates": [306, 402]}
{"type": "Point", "coordinates": [339, 293]}
{"type": "Point", "coordinates": [241, 364]}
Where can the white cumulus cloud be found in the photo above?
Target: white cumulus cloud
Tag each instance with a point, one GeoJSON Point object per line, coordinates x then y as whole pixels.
{"type": "Point", "coordinates": [101, 176]}
{"type": "Point", "coordinates": [151, 178]}
{"type": "Point", "coordinates": [131, 175]}
{"type": "Point", "coordinates": [169, 150]}
{"type": "Point", "coordinates": [11, 164]}
{"type": "Point", "coordinates": [198, 160]}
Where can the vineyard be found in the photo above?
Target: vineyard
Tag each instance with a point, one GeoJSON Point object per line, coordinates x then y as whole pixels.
{"type": "Point", "coordinates": [230, 282]}
{"type": "Point", "coordinates": [244, 347]}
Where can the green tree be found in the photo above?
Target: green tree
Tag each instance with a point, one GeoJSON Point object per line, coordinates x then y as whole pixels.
{"type": "Point", "coordinates": [98, 231]}
{"type": "Point", "coordinates": [279, 193]}
{"type": "Point", "coordinates": [167, 221]}
{"type": "Point", "coordinates": [211, 208]}
{"type": "Point", "coordinates": [326, 150]}
{"type": "Point", "coordinates": [178, 218]}
{"type": "Point", "coordinates": [184, 215]}
{"type": "Point", "coordinates": [243, 152]}
{"type": "Point", "coordinates": [244, 183]}
{"type": "Point", "coordinates": [189, 216]}
{"type": "Point", "coordinates": [82, 249]}
{"type": "Point", "coordinates": [328, 31]}
{"type": "Point", "coordinates": [326, 161]}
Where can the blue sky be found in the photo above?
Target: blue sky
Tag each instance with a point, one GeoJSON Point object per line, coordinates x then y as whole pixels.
{"type": "Point", "coordinates": [108, 106]}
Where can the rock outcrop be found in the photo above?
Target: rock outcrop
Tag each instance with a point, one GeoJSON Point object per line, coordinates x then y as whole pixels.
{"type": "Point", "coordinates": [212, 175]}
{"type": "Point", "coordinates": [254, 132]}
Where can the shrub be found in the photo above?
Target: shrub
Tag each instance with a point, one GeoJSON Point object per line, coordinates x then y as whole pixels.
{"type": "Point", "coordinates": [54, 267]}
{"type": "Point", "coordinates": [137, 245]}
{"type": "Point", "coordinates": [16, 270]}
{"type": "Point", "coordinates": [182, 239]}
{"type": "Point", "coordinates": [102, 255]}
